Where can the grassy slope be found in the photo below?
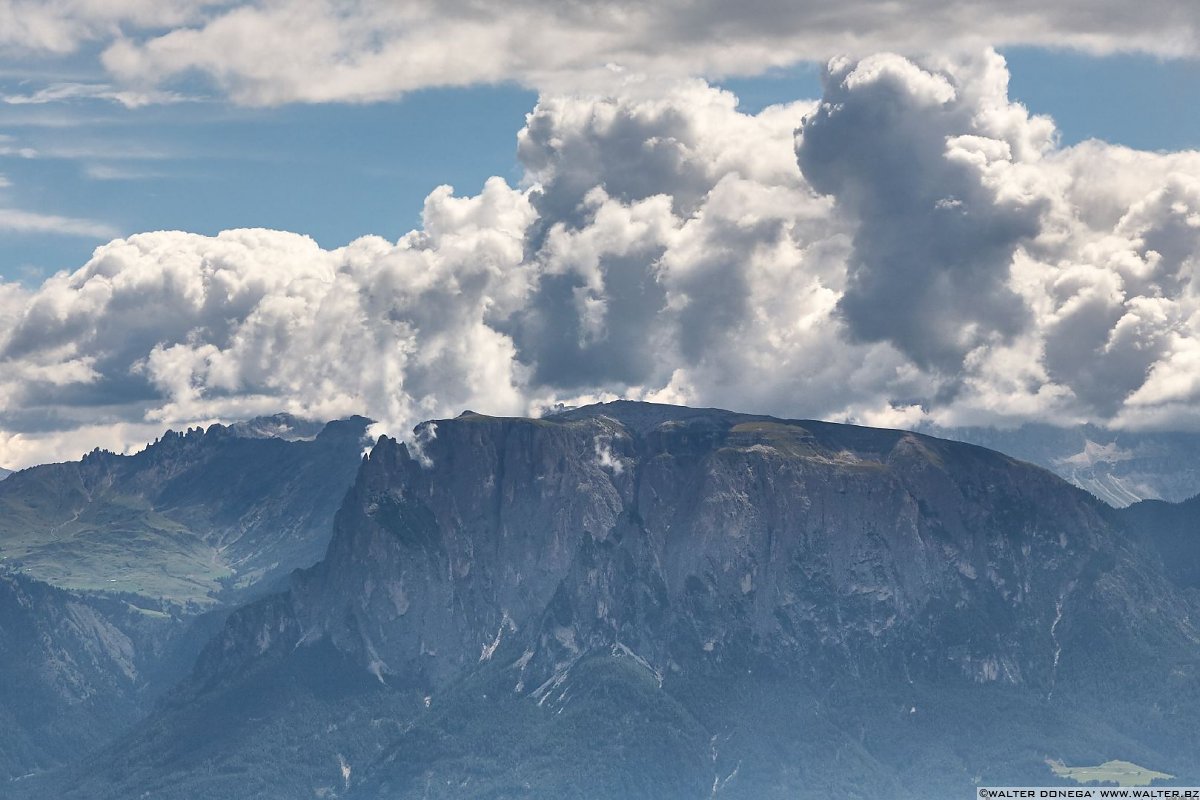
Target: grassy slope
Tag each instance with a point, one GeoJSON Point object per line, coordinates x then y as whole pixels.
{"type": "Point", "coordinates": [74, 536]}
{"type": "Point", "coordinates": [190, 521]}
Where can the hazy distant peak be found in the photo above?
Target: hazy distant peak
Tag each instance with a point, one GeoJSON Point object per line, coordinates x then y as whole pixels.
{"type": "Point", "coordinates": [1119, 467]}
{"type": "Point", "coordinates": [284, 427]}
{"type": "Point", "coordinates": [278, 426]}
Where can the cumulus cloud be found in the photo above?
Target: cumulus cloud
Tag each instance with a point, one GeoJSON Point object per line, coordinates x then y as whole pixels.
{"type": "Point", "coordinates": [926, 178]}
{"type": "Point", "coordinates": [166, 328]}
{"type": "Point", "coordinates": [620, 184]}
{"type": "Point", "coordinates": [914, 247]}
{"type": "Point", "coordinates": [277, 51]}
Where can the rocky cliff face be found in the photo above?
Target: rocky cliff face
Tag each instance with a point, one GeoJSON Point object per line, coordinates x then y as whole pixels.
{"type": "Point", "coordinates": [729, 530]}
{"type": "Point", "coordinates": [75, 667]}
{"type": "Point", "coordinates": [115, 570]}
{"type": "Point", "coordinates": [638, 600]}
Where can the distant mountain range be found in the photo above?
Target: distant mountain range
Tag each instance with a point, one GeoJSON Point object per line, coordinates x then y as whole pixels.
{"type": "Point", "coordinates": [195, 519]}
{"type": "Point", "coordinates": [114, 570]}
{"type": "Point", "coordinates": [643, 601]}
{"type": "Point", "coordinates": [1119, 467]}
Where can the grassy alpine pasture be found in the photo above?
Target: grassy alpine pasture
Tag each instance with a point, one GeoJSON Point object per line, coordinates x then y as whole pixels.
{"type": "Point", "coordinates": [1122, 773]}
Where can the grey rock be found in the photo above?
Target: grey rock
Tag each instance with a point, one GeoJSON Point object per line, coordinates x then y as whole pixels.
{"type": "Point", "coordinates": [649, 601]}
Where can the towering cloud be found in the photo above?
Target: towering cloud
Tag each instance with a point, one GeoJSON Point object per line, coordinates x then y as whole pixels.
{"type": "Point", "coordinates": [621, 184]}
{"type": "Point", "coordinates": [913, 246]}
{"type": "Point", "coordinates": [168, 327]}
{"type": "Point", "coordinates": [923, 175]}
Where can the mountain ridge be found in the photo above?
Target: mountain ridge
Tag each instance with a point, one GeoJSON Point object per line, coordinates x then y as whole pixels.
{"type": "Point", "coordinates": [54, 515]}
{"type": "Point", "coordinates": [637, 569]}
{"type": "Point", "coordinates": [1119, 467]}
{"type": "Point", "coordinates": [115, 570]}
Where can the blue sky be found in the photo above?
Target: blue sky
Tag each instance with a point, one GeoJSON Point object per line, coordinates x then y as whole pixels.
{"type": "Point", "coordinates": [336, 171]}
{"type": "Point", "coordinates": [333, 171]}
{"type": "Point", "coordinates": [917, 249]}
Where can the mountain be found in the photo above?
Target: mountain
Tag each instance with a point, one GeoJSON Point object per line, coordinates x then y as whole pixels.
{"type": "Point", "coordinates": [287, 427]}
{"type": "Point", "coordinates": [1172, 530]}
{"type": "Point", "coordinates": [115, 570]}
{"type": "Point", "coordinates": [4, 473]}
{"type": "Point", "coordinates": [195, 519]}
{"type": "Point", "coordinates": [644, 601]}
{"type": "Point", "coordinates": [75, 669]}
{"type": "Point", "coordinates": [1119, 467]}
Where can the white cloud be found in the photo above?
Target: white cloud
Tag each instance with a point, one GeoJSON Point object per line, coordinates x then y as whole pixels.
{"type": "Point", "coordinates": [13, 220]}
{"type": "Point", "coordinates": [916, 247]}
{"type": "Point", "coordinates": [169, 328]}
{"type": "Point", "coordinates": [278, 51]}
{"type": "Point", "coordinates": [61, 26]}
{"type": "Point", "coordinates": [9, 147]}
{"type": "Point", "coordinates": [62, 92]}
{"type": "Point", "coordinates": [114, 172]}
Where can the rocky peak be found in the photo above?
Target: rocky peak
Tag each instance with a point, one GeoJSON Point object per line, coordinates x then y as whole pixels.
{"type": "Point", "coordinates": [674, 601]}
{"type": "Point", "coordinates": [694, 534]}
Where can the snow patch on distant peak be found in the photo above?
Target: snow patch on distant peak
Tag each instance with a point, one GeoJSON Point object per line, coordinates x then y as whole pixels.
{"type": "Point", "coordinates": [376, 665]}
{"type": "Point", "coordinates": [345, 768]}
{"type": "Point", "coordinates": [288, 427]}
{"type": "Point", "coordinates": [523, 662]}
{"type": "Point", "coordinates": [554, 682]}
{"type": "Point", "coordinates": [1094, 453]}
{"type": "Point", "coordinates": [488, 650]}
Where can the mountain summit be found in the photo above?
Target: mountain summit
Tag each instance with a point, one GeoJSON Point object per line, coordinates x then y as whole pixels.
{"type": "Point", "coordinates": [637, 600]}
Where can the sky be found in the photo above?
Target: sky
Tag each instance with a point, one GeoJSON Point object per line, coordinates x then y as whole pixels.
{"type": "Point", "coordinates": [960, 213]}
